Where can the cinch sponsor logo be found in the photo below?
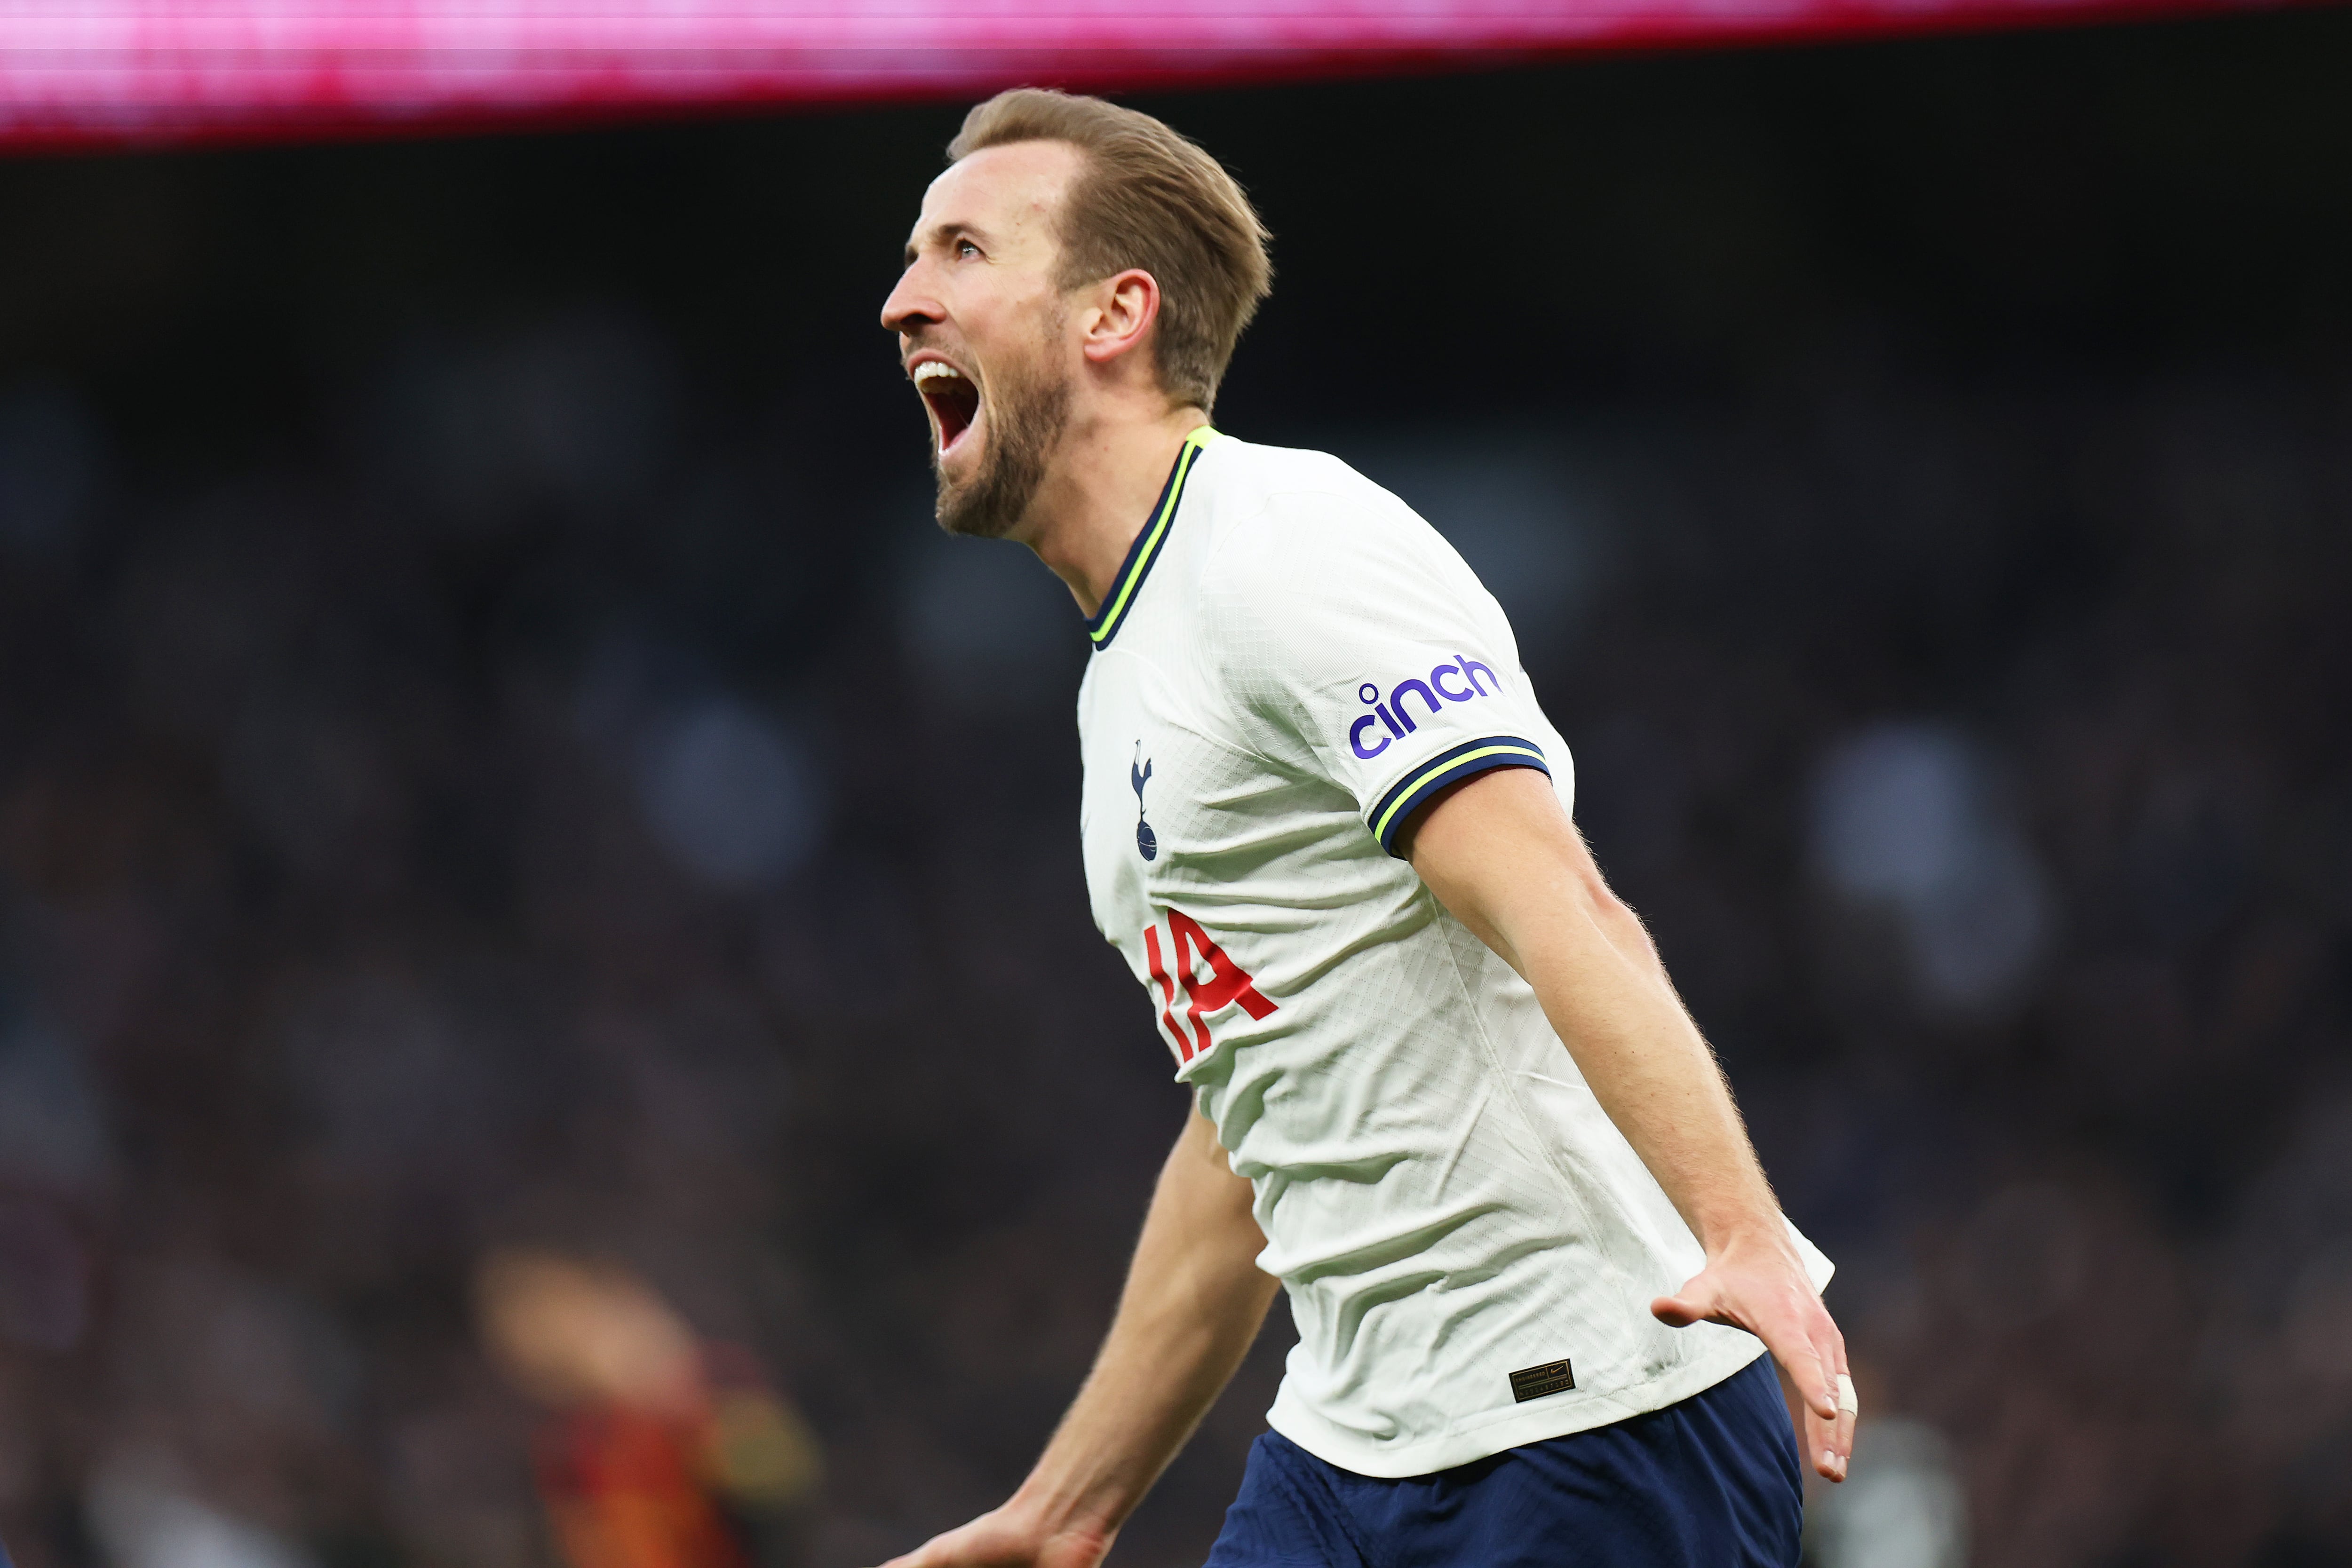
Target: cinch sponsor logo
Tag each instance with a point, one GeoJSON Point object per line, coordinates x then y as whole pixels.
{"type": "Point", "coordinates": [1457, 682]}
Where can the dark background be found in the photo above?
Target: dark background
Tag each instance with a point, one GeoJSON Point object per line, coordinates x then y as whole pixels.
{"type": "Point", "coordinates": [492, 751]}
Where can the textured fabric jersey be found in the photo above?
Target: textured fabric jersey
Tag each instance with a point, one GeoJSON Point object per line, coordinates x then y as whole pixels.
{"type": "Point", "coordinates": [1289, 663]}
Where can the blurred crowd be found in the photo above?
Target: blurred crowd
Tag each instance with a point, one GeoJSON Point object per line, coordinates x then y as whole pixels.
{"type": "Point", "coordinates": [548, 1018]}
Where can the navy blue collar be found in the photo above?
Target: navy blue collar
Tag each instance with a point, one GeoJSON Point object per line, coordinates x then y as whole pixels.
{"type": "Point", "coordinates": [1141, 554]}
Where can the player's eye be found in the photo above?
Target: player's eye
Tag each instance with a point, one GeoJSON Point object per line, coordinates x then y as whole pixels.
{"type": "Point", "coordinates": [965, 248]}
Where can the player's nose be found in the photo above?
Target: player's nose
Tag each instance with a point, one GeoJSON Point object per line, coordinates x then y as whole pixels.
{"type": "Point", "coordinates": [910, 305]}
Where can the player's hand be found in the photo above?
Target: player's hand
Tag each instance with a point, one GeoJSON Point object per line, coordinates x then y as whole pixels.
{"type": "Point", "coordinates": [1007, 1538]}
{"type": "Point", "coordinates": [1758, 1283]}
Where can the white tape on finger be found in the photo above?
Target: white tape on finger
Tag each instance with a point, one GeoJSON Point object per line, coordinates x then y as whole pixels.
{"type": "Point", "coordinates": [1846, 1400]}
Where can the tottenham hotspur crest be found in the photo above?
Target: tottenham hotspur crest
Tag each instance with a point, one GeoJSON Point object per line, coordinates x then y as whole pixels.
{"type": "Point", "coordinates": [1147, 843]}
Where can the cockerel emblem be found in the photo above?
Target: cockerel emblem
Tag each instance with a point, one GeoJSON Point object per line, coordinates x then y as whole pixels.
{"type": "Point", "coordinates": [1138, 773]}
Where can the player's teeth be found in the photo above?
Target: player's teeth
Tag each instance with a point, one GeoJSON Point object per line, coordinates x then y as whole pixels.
{"type": "Point", "coordinates": [932, 370]}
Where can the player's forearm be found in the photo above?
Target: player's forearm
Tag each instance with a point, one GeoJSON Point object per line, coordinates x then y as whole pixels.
{"type": "Point", "coordinates": [1193, 1304]}
{"type": "Point", "coordinates": [1502, 855]}
{"type": "Point", "coordinates": [1607, 995]}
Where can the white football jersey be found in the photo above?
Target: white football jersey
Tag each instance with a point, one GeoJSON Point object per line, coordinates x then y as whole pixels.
{"type": "Point", "coordinates": [1288, 665]}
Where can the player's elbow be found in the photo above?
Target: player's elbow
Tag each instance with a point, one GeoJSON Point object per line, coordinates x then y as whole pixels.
{"type": "Point", "coordinates": [1611, 915]}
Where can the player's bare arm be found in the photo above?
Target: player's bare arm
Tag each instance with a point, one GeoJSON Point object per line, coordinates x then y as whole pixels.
{"type": "Point", "coordinates": [1193, 1302]}
{"type": "Point", "coordinates": [1500, 853]}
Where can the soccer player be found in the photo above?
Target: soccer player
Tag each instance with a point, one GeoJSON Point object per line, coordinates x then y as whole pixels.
{"type": "Point", "coordinates": [1444, 1092]}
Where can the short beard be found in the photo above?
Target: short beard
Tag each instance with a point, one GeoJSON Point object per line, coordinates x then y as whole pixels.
{"type": "Point", "coordinates": [1027, 416]}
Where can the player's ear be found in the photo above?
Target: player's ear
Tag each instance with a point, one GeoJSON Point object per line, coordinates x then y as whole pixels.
{"type": "Point", "coordinates": [1119, 314]}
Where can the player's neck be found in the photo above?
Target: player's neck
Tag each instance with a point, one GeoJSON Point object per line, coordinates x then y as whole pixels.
{"type": "Point", "coordinates": [1098, 494]}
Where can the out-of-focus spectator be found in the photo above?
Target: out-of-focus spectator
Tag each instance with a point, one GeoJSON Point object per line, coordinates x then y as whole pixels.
{"type": "Point", "coordinates": [1903, 1507]}
{"type": "Point", "coordinates": [662, 1452]}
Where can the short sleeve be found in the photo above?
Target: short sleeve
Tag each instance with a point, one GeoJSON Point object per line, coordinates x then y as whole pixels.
{"type": "Point", "coordinates": [1348, 636]}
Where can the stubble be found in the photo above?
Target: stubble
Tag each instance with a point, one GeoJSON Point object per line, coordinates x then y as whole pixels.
{"type": "Point", "coordinates": [1027, 411]}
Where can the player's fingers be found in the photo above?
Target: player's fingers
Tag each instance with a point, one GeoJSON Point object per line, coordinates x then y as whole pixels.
{"type": "Point", "coordinates": [1822, 1387]}
{"type": "Point", "coordinates": [1700, 1299]}
{"type": "Point", "coordinates": [1815, 1383]}
{"type": "Point", "coordinates": [1798, 1352]}
{"type": "Point", "coordinates": [1696, 1302]}
{"type": "Point", "coordinates": [1821, 1447]}
{"type": "Point", "coordinates": [1849, 1412]}
{"type": "Point", "coordinates": [1676, 1312]}
{"type": "Point", "coordinates": [1819, 1357]}
{"type": "Point", "coordinates": [1834, 1427]}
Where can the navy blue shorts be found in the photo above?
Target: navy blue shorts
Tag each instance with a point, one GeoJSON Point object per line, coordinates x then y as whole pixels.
{"type": "Point", "coordinates": [1712, 1482]}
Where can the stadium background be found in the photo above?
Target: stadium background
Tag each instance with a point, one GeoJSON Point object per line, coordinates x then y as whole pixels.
{"type": "Point", "coordinates": [493, 752]}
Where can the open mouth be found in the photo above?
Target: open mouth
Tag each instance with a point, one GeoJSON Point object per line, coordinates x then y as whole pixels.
{"type": "Point", "coordinates": [953, 399]}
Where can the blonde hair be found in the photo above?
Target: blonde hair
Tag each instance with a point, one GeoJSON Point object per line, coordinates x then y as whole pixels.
{"type": "Point", "coordinates": [1147, 198]}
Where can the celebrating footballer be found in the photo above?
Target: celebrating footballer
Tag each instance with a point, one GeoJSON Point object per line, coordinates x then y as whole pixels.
{"type": "Point", "coordinates": [1443, 1093]}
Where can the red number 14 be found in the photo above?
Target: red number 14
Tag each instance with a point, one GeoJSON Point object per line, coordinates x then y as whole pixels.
{"type": "Point", "coordinates": [1226, 983]}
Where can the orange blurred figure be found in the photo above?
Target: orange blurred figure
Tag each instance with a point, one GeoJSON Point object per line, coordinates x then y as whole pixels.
{"type": "Point", "coordinates": [663, 1453]}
